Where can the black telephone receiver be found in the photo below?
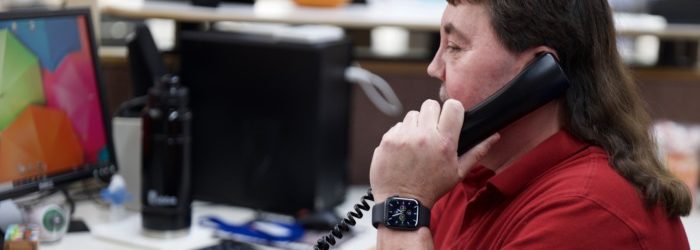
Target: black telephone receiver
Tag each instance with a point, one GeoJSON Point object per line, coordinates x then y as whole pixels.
{"type": "Point", "coordinates": [540, 82]}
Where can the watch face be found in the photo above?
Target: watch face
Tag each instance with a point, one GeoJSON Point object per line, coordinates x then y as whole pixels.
{"type": "Point", "coordinates": [401, 213]}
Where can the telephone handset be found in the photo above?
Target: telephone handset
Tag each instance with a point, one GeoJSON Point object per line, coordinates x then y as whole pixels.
{"type": "Point", "coordinates": [540, 82]}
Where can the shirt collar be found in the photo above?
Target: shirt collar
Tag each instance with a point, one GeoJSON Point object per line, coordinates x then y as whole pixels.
{"type": "Point", "coordinates": [544, 156]}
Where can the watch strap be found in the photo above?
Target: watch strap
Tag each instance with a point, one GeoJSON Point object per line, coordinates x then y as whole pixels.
{"type": "Point", "coordinates": [378, 214]}
{"type": "Point", "coordinates": [423, 216]}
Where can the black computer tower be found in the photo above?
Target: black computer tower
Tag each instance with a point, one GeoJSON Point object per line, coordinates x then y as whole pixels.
{"type": "Point", "coordinates": [270, 120]}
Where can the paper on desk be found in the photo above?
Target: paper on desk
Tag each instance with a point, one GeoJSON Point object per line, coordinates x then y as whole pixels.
{"type": "Point", "coordinates": [128, 232]}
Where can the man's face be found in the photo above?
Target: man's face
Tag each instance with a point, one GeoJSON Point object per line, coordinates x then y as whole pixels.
{"type": "Point", "coordinates": [471, 62]}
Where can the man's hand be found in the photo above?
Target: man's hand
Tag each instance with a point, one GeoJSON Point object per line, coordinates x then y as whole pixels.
{"type": "Point", "coordinates": [418, 158]}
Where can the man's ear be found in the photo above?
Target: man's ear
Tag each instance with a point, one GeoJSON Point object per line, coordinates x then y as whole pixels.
{"type": "Point", "coordinates": [539, 50]}
{"type": "Point", "coordinates": [530, 54]}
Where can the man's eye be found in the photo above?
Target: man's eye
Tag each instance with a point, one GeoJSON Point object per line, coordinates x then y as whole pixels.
{"type": "Point", "coordinates": [453, 48]}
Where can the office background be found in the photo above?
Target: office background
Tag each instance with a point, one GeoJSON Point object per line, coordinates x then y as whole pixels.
{"type": "Point", "coordinates": [670, 84]}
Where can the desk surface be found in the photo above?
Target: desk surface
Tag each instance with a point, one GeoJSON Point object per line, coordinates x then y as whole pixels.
{"type": "Point", "coordinates": [97, 218]}
{"type": "Point", "coordinates": [365, 238]}
{"type": "Point", "coordinates": [419, 15]}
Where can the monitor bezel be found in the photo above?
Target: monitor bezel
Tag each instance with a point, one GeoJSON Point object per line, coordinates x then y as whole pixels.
{"type": "Point", "coordinates": [104, 170]}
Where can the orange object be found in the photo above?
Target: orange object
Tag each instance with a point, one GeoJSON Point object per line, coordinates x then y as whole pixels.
{"type": "Point", "coordinates": [321, 3]}
{"type": "Point", "coordinates": [40, 141]}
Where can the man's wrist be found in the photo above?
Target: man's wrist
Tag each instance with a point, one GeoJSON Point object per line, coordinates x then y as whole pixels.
{"type": "Point", "coordinates": [393, 239]}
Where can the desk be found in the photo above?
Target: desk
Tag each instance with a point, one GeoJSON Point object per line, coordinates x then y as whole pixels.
{"type": "Point", "coordinates": [364, 239]}
{"type": "Point", "coordinates": [96, 216]}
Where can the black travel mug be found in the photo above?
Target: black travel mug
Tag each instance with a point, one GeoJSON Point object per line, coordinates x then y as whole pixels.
{"type": "Point", "coordinates": [166, 160]}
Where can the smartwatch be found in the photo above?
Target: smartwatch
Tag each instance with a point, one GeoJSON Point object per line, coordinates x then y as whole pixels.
{"type": "Point", "coordinates": [401, 214]}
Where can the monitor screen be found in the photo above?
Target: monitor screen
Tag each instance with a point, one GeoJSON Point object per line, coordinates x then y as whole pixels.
{"type": "Point", "coordinates": [52, 116]}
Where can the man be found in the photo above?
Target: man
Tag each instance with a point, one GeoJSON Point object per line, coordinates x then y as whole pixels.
{"type": "Point", "coordinates": [578, 173]}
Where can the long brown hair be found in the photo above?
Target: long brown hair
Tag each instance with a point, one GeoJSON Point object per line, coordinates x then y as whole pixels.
{"type": "Point", "coordinates": [603, 104]}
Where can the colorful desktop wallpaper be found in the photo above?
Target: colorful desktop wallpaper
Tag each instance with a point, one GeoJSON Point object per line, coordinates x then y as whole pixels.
{"type": "Point", "coordinates": [50, 114]}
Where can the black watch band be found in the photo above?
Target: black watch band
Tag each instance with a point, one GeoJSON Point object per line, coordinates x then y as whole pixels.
{"type": "Point", "coordinates": [380, 215]}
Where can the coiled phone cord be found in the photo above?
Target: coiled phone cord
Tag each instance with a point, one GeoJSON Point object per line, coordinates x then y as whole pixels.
{"type": "Point", "coordinates": [327, 241]}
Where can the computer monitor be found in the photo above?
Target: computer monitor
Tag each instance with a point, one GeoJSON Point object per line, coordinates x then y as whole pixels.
{"type": "Point", "coordinates": [53, 119]}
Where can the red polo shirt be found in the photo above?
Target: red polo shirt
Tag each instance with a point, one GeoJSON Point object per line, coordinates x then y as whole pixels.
{"type": "Point", "coordinates": [561, 195]}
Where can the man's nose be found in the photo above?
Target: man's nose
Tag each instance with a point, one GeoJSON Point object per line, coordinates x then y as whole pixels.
{"type": "Point", "coordinates": [436, 68]}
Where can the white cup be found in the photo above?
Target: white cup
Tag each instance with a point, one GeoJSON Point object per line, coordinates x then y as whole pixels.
{"type": "Point", "coordinates": [127, 144]}
{"type": "Point", "coordinates": [389, 41]}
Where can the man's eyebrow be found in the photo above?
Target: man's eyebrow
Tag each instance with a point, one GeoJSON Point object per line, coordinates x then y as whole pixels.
{"type": "Point", "coordinates": [451, 29]}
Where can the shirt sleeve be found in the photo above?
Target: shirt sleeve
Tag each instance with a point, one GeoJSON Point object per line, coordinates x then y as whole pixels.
{"type": "Point", "coordinates": [572, 223]}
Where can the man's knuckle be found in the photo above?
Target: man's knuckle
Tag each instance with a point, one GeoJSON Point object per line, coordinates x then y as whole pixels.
{"type": "Point", "coordinates": [481, 152]}
{"type": "Point", "coordinates": [422, 140]}
{"type": "Point", "coordinates": [445, 147]}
